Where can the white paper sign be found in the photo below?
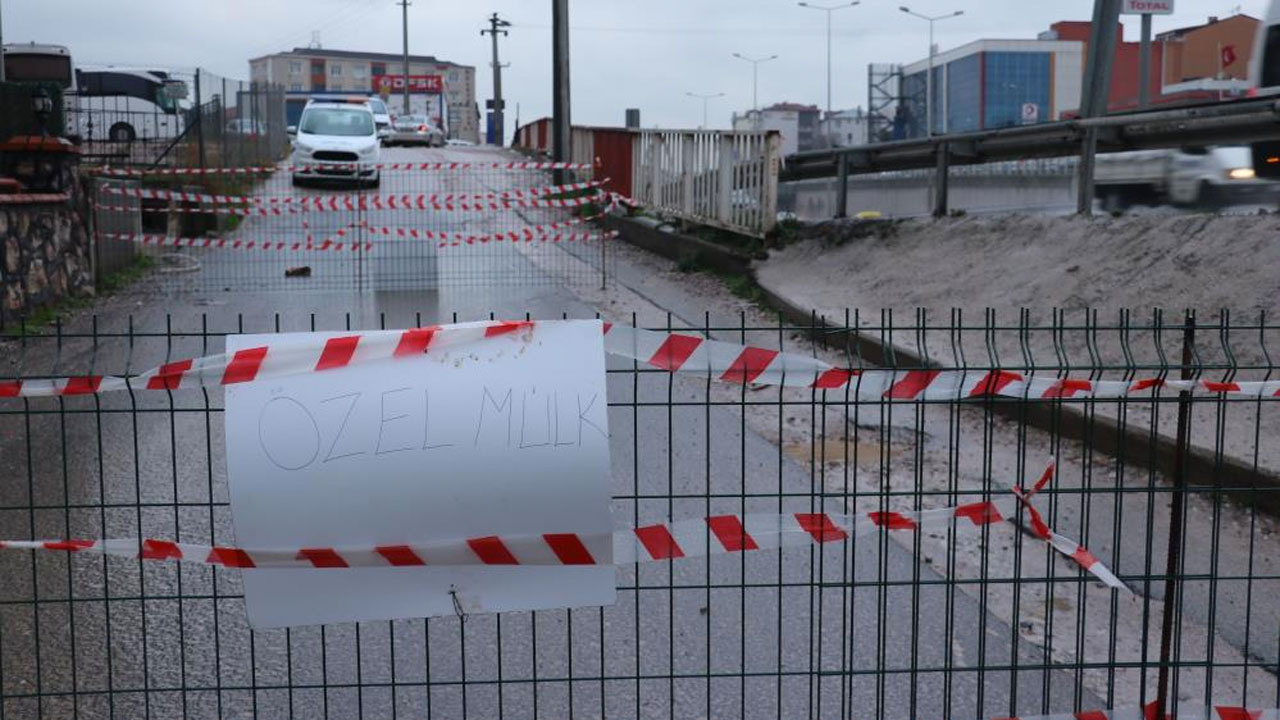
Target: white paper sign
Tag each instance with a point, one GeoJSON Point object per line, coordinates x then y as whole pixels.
{"type": "Point", "coordinates": [507, 436]}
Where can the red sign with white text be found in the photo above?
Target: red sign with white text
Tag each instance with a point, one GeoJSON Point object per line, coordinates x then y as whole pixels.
{"type": "Point", "coordinates": [417, 83]}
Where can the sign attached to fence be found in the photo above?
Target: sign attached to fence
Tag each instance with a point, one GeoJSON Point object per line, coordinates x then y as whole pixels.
{"type": "Point", "coordinates": [1146, 7]}
{"type": "Point", "coordinates": [503, 436]}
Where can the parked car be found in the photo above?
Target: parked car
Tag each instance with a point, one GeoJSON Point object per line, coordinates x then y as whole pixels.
{"type": "Point", "coordinates": [414, 130]}
{"type": "Point", "coordinates": [246, 126]}
{"type": "Point", "coordinates": [336, 141]}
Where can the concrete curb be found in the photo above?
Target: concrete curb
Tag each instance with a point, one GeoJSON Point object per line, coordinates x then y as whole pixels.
{"type": "Point", "coordinates": [1104, 434]}
{"type": "Point", "coordinates": [647, 234]}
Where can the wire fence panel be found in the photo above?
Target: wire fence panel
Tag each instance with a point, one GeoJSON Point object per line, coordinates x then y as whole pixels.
{"type": "Point", "coordinates": [429, 222]}
{"type": "Point", "coordinates": [977, 618]}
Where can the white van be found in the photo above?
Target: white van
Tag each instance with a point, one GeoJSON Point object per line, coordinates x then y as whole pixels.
{"type": "Point", "coordinates": [336, 141]}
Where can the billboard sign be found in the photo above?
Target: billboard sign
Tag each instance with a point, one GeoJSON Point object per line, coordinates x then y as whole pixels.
{"type": "Point", "coordinates": [1146, 7]}
{"type": "Point", "coordinates": [417, 83]}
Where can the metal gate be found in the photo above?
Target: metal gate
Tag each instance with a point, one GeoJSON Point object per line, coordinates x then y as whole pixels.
{"type": "Point", "coordinates": [1166, 484]}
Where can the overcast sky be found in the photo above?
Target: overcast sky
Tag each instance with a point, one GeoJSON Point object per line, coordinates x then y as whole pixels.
{"type": "Point", "coordinates": [625, 53]}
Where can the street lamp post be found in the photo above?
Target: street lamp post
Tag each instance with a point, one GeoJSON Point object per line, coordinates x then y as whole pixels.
{"type": "Point", "coordinates": [755, 78]}
{"type": "Point", "coordinates": [829, 9]}
{"type": "Point", "coordinates": [706, 99]}
{"type": "Point", "coordinates": [928, 80]}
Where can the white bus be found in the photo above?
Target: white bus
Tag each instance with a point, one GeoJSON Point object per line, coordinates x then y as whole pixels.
{"type": "Point", "coordinates": [104, 103]}
{"type": "Point", "coordinates": [126, 104]}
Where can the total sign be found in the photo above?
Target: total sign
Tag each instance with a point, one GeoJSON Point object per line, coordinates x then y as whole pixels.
{"type": "Point", "coordinates": [1147, 7]}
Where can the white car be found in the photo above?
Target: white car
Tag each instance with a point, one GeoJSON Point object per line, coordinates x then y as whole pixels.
{"type": "Point", "coordinates": [381, 117]}
{"type": "Point", "coordinates": [336, 141]}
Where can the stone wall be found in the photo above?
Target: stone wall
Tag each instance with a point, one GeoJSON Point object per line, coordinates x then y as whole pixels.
{"type": "Point", "coordinates": [44, 227]}
{"type": "Point", "coordinates": [46, 252]}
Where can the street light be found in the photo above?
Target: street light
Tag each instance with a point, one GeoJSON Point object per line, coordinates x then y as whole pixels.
{"type": "Point", "coordinates": [829, 9]}
{"type": "Point", "coordinates": [706, 99]}
{"type": "Point", "coordinates": [755, 78]}
{"type": "Point", "coordinates": [928, 80]}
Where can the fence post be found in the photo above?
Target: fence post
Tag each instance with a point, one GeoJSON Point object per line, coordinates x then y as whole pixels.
{"type": "Point", "coordinates": [1173, 554]}
{"type": "Point", "coordinates": [772, 164]}
{"type": "Point", "coordinates": [940, 180]}
{"type": "Point", "coordinates": [686, 174]}
{"type": "Point", "coordinates": [222, 136]}
{"type": "Point", "coordinates": [199, 116]}
{"type": "Point", "coordinates": [842, 186]}
{"type": "Point", "coordinates": [724, 184]}
{"type": "Point", "coordinates": [655, 168]}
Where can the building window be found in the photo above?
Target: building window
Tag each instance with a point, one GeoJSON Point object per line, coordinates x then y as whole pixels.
{"type": "Point", "coordinates": [964, 94]}
{"type": "Point", "coordinates": [295, 87]}
{"type": "Point", "coordinates": [295, 67]}
{"type": "Point", "coordinates": [453, 76]}
{"type": "Point", "coordinates": [358, 71]}
{"type": "Point", "coordinates": [1015, 80]}
{"type": "Point", "coordinates": [335, 70]}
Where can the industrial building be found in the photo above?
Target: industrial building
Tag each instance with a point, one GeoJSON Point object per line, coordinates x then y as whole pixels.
{"type": "Point", "coordinates": [433, 83]}
{"type": "Point", "coordinates": [989, 84]}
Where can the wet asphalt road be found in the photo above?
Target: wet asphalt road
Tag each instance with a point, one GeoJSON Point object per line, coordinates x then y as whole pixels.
{"type": "Point", "coordinates": [748, 636]}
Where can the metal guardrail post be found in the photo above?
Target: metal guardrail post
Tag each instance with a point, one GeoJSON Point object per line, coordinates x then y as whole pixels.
{"type": "Point", "coordinates": [1084, 172]}
{"type": "Point", "coordinates": [842, 186]}
{"type": "Point", "coordinates": [940, 178]}
{"type": "Point", "coordinates": [686, 174]}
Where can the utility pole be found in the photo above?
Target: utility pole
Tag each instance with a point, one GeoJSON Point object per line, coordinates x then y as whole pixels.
{"type": "Point", "coordinates": [928, 80]}
{"type": "Point", "coordinates": [755, 80]}
{"type": "Point", "coordinates": [404, 5]}
{"type": "Point", "coordinates": [829, 9]}
{"type": "Point", "coordinates": [706, 100]}
{"type": "Point", "coordinates": [560, 121]}
{"type": "Point", "coordinates": [496, 25]}
{"type": "Point", "coordinates": [1, 41]}
{"type": "Point", "coordinates": [1097, 89]}
{"type": "Point", "coordinates": [1144, 64]}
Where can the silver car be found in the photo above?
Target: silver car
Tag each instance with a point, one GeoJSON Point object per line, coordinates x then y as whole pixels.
{"type": "Point", "coordinates": [414, 130]}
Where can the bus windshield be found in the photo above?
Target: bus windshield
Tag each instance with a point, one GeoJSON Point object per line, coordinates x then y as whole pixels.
{"type": "Point", "coordinates": [37, 67]}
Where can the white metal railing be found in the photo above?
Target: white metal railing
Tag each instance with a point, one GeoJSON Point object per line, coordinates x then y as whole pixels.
{"type": "Point", "coordinates": [723, 179]}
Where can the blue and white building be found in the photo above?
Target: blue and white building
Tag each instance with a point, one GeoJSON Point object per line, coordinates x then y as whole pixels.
{"type": "Point", "coordinates": [990, 84]}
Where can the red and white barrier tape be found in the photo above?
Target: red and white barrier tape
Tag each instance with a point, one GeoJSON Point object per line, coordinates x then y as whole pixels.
{"type": "Point", "coordinates": [1181, 711]}
{"type": "Point", "coordinates": [235, 244]}
{"type": "Point", "coordinates": [713, 535]}
{"type": "Point", "coordinates": [536, 233]}
{"type": "Point", "coordinates": [347, 203]}
{"type": "Point", "coordinates": [533, 233]}
{"type": "Point", "coordinates": [385, 167]}
{"type": "Point", "coordinates": [674, 352]}
{"type": "Point", "coordinates": [336, 201]}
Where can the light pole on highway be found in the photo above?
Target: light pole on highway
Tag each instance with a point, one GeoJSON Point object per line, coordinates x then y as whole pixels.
{"type": "Point", "coordinates": [829, 10]}
{"type": "Point", "coordinates": [928, 80]}
{"type": "Point", "coordinates": [755, 76]}
{"type": "Point", "coordinates": [706, 100]}
{"type": "Point", "coordinates": [404, 4]}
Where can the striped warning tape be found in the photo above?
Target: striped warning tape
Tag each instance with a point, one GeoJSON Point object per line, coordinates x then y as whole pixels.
{"type": "Point", "coordinates": [698, 537]}
{"type": "Point", "coordinates": [1181, 711]}
{"type": "Point", "coordinates": [343, 201]}
{"type": "Point", "coordinates": [384, 167]}
{"type": "Point", "coordinates": [392, 202]}
{"type": "Point", "coordinates": [549, 233]}
{"type": "Point", "coordinates": [237, 244]}
{"type": "Point", "coordinates": [673, 352]}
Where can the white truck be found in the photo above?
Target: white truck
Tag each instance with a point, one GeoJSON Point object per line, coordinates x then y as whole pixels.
{"type": "Point", "coordinates": [1187, 176]}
